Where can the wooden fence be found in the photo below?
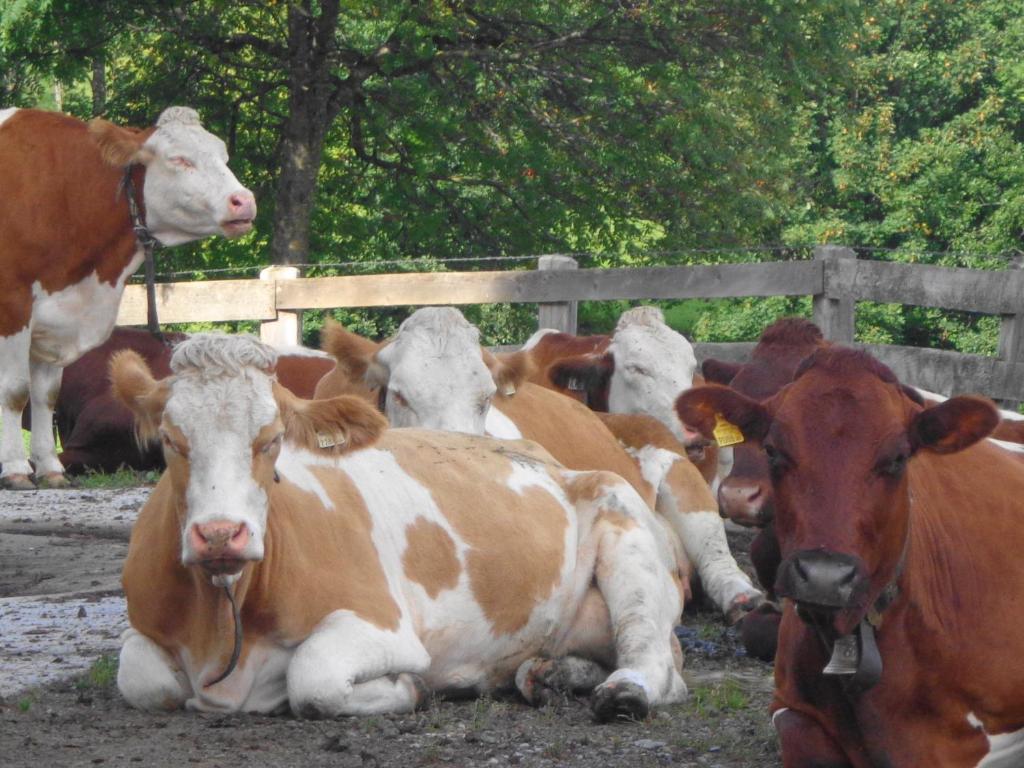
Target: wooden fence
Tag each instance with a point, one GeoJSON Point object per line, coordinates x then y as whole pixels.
{"type": "Point", "coordinates": [835, 279]}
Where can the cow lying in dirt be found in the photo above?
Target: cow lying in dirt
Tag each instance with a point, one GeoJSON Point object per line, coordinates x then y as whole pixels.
{"type": "Point", "coordinates": [371, 567]}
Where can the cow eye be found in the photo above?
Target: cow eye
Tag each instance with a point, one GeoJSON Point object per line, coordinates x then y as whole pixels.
{"type": "Point", "coordinates": [182, 163]}
{"type": "Point", "coordinates": [639, 370]}
{"type": "Point", "coordinates": [170, 445]}
{"type": "Point", "coordinates": [778, 462]}
{"type": "Point", "coordinates": [399, 399]}
{"type": "Point", "coordinates": [273, 443]}
{"type": "Point", "coordinates": [892, 466]}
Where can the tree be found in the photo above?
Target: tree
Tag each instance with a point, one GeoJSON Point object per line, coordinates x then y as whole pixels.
{"type": "Point", "coordinates": [443, 128]}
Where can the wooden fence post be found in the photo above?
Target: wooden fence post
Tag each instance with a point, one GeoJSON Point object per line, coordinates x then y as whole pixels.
{"type": "Point", "coordinates": [559, 315]}
{"type": "Point", "coordinates": [834, 306]}
{"type": "Point", "coordinates": [286, 330]}
{"type": "Point", "coordinates": [1011, 341]}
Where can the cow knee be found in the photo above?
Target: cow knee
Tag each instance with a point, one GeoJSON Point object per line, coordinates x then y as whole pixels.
{"type": "Point", "coordinates": [147, 676]}
{"type": "Point", "coordinates": [805, 744]}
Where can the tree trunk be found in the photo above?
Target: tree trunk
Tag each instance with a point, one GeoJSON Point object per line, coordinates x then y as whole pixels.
{"type": "Point", "coordinates": [310, 114]}
{"type": "Point", "coordinates": [99, 85]}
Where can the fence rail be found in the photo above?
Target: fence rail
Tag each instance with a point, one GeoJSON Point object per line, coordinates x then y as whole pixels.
{"type": "Point", "coordinates": [835, 279]}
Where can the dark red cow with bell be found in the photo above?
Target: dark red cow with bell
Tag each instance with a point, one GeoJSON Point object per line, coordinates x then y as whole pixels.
{"type": "Point", "coordinates": [900, 531]}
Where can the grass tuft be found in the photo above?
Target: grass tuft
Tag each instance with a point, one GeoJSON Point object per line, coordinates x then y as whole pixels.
{"type": "Point", "coordinates": [101, 674]}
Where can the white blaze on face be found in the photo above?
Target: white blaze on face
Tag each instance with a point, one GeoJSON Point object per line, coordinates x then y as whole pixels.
{"type": "Point", "coordinates": [221, 397]}
{"type": "Point", "coordinates": [190, 192]}
{"type": "Point", "coordinates": [437, 378]}
{"type": "Point", "coordinates": [653, 366]}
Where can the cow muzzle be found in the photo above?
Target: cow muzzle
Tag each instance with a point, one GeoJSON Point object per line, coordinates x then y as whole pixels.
{"type": "Point", "coordinates": [823, 583]}
{"type": "Point", "coordinates": [745, 502]}
{"type": "Point", "coordinates": [220, 547]}
{"type": "Point", "coordinates": [241, 213]}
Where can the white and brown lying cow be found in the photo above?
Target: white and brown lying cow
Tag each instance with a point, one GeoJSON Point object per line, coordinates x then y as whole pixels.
{"type": "Point", "coordinates": [67, 246]}
{"type": "Point", "coordinates": [641, 368]}
{"type": "Point", "coordinates": [433, 373]}
{"type": "Point", "coordinates": [371, 567]}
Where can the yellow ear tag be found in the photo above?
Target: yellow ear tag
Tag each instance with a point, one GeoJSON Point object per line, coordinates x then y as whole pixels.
{"type": "Point", "coordinates": [726, 433]}
{"type": "Point", "coordinates": [328, 441]}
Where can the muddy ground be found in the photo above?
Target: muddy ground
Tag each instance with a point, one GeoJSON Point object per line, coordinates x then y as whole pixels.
{"type": "Point", "coordinates": [61, 613]}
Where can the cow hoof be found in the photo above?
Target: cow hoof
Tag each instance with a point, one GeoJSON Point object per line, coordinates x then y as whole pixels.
{"type": "Point", "coordinates": [54, 480]}
{"type": "Point", "coordinates": [742, 605]}
{"type": "Point", "coordinates": [621, 700]}
{"type": "Point", "coordinates": [17, 483]}
{"type": "Point", "coordinates": [535, 684]}
{"type": "Point", "coordinates": [420, 690]}
{"type": "Point", "coordinates": [759, 631]}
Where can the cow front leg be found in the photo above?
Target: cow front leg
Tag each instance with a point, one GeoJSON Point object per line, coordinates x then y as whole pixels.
{"type": "Point", "coordinates": [14, 396]}
{"type": "Point", "coordinates": [348, 666]}
{"type": "Point", "coordinates": [693, 514]}
{"type": "Point", "coordinates": [148, 676]}
{"type": "Point", "coordinates": [805, 744]}
{"type": "Point", "coordinates": [643, 607]}
{"type": "Point", "coordinates": [44, 387]}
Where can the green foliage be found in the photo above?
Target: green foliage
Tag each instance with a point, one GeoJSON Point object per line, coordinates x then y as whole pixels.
{"type": "Point", "coordinates": [635, 133]}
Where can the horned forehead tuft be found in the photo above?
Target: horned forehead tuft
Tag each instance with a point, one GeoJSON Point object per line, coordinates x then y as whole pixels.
{"type": "Point", "coordinates": [178, 116]}
{"type": "Point", "coordinates": [845, 362]}
{"type": "Point", "coordinates": [645, 315]}
{"type": "Point", "coordinates": [794, 331]}
{"type": "Point", "coordinates": [220, 354]}
{"type": "Point", "coordinates": [440, 325]}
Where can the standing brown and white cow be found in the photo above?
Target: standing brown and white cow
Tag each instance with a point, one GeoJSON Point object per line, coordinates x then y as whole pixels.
{"type": "Point", "coordinates": [367, 572]}
{"type": "Point", "coordinates": [900, 533]}
{"type": "Point", "coordinates": [68, 244]}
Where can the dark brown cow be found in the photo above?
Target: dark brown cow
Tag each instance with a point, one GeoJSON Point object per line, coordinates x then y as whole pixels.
{"type": "Point", "coordinates": [97, 432]}
{"type": "Point", "coordinates": [68, 243]}
{"type": "Point", "coordinates": [745, 494]}
{"type": "Point", "coordinates": [900, 532]}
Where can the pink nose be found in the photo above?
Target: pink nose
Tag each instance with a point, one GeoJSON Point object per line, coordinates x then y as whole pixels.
{"type": "Point", "coordinates": [242, 205]}
{"type": "Point", "coordinates": [219, 540]}
{"type": "Point", "coordinates": [693, 438]}
{"type": "Point", "coordinates": [742, 502]}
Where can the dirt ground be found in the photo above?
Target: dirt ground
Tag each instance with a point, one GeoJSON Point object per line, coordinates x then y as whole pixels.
{"type": "Point", "coordinates": [61, 614]}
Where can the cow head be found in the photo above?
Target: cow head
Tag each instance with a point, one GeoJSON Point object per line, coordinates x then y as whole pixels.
{"type": "Point", "coordinates": [838, 440]}
{"type": "Point", "coordinates": [189, 191]}
{"type": "Point", "coordinates": [223, 420]}
{"type": "Point", "coordinates": [646, 366]}
{"type": "Point", "coordinates": [745, 494]}
{"type": "Point", "coordinates": [435, 373]}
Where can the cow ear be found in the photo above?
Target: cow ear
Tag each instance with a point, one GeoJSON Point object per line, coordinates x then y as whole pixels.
{"type": "Point", "coordinates": [719, 371]}
{"type": "Point", "coordinates": [134, 386]}
{"type": "Point", "coordinates": [588, 373]}
{"type": "Point", "coordinates": [352, 352]}
{"type": "Point", "coordinates": [509, 371]}
{"type": "Point", "coordinates": [701, 407]}
{"type": "Point", "coordinates": [333, 426]}
{"type": "Point", "coordinates": [953, 425]}
{"type": "Point", "coordinates": [119, 146]}
{"type": "Point", "coordinates": [378, 371]}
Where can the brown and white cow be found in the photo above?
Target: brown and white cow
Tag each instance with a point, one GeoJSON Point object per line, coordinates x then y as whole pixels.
{"type": "Point", "coordinates": [640, 368]}
{"type": "Point", "coordinates": [67, 245]}
{"type": "Point", "coordinates": [900, 532]}
{"type": "Point", "coordinates": [435, 374]}
{"type": "Point", "coordinates": [370, 569]}
{"type": "Point", "coordinates": [98, 433]}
